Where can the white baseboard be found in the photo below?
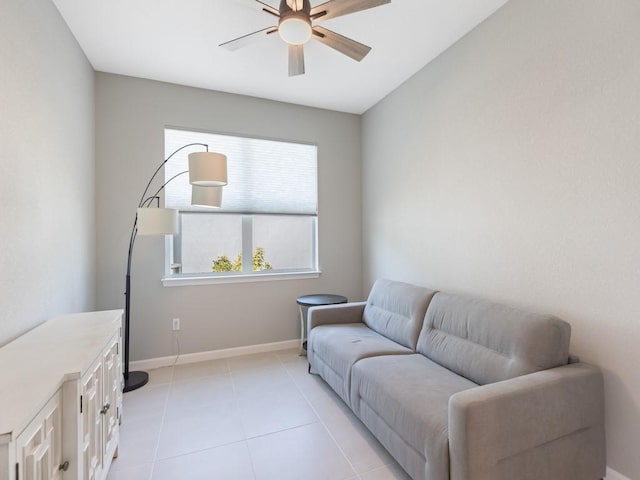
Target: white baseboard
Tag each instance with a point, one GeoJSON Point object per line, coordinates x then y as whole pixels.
{"type": "Point", "coordinates": [214, 355]}
{"type": "Point", "coordinates": [613, 475]}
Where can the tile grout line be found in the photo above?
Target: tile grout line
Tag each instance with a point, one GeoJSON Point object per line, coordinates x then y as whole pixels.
{"type": "Point", "coordinates": [287, 366]}
{"type": "Point", "coordinates": [245, 441]}
{"type": "Point", "coordinates": [358, 474]}
{"type": "Point", "coordinates": [321, 421]}
{"type": "Point", "coordinates": [171, 384]}
{"type": "Point", "coordinates": [164, 413]}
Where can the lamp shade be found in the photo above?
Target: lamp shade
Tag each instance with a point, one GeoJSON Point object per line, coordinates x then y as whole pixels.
{"type": "Point", "coordinates": [157, 221]}
{"type": "Point", "coordinates": [206, 196]}
{"type": "Point", "coordinates": [207, 169]}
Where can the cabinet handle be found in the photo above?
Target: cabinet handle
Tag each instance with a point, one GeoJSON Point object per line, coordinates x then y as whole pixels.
{"type": "Point", "coordinates": [64, 466]}
{"type": "Point", "coordinates": [105, 409]}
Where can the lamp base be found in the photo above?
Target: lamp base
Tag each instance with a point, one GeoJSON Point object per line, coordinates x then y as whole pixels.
{"type": "Point", "coordinates": [135, 381]}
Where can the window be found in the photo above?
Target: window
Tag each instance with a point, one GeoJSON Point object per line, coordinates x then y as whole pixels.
{"type": "Point", "coordinates": [267, 225]}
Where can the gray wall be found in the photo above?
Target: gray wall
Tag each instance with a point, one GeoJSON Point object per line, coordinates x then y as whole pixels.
{"type": "Point", "coordinates": [509, 168]}
{"type": "Point", "coordinates": [47, 251]}
{"type": "Point", "coordinates": [130, 118]}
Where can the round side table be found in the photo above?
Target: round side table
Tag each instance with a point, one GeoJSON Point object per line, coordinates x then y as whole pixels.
{"type": "Point", "coordinates": [314, 300]}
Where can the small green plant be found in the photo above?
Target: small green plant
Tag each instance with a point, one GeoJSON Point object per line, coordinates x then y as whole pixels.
{"type": "Point", "coordinates": [224, 264]}
{"type": "Point", "coordinates": [259, 263]}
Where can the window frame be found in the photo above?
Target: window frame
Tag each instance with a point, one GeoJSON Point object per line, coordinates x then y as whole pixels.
{"type": "Point", "coordinates": [170, 279]}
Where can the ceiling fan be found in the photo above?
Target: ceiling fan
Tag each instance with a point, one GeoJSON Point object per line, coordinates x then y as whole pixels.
{"type": "Point", "coordinates": [295, 26]}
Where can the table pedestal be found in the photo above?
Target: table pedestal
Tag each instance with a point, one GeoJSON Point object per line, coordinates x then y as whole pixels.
{"type": "Point", "coordinates": [314, 300]}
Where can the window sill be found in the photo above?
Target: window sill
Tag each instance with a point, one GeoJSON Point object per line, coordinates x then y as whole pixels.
{"type": "Point", "coordinates": [187, 280]}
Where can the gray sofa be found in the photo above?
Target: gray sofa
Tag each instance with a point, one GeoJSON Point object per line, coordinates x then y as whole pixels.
{"type": "Point", "coordinates": [457, 388]}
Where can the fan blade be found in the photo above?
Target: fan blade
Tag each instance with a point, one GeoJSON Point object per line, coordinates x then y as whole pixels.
{"type": "Point", "coordinates": [337, 8]}
{"type": "Point", "coordinates": [296, 60]}
{"type": "Point", "coordinates": [269, 9]}
{"type": "Point", "coordinates": [240, 42]}
{"type": "Point", "coordinates": [345, 45]}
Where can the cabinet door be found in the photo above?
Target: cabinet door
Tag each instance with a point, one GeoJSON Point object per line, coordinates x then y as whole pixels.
{"type": "Point", "coordinates": [39, 447]}
{"type": "Point", "coordinates": [92, 423]}
{"type": "Point", "coordinates": [112, 396]}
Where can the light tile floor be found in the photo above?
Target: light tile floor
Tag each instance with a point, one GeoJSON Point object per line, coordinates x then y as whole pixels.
{"type": "Point", "coordinates": [256, 417]}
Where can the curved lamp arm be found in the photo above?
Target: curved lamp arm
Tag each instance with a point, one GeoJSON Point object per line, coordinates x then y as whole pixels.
{"type": "Point", "coordinates": [140, 204]}
{"type": "Point", "coordinates": [147, 201]}
{"type": "Point", "coordinates": [144, 202]}
{"type": "Point", "coordinates": [144, 199]}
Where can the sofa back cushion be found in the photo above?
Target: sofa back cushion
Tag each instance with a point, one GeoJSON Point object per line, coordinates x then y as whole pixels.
{"type": "Point", "coordinates": [487, 342]}
{"type": "Point", "coordinates": [396, 310]}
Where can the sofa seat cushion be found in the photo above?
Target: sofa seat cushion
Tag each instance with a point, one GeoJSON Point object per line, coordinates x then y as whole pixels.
{"type": "Point", "coordinates": [333, 350]}
{"type": "Point", "coordinates": [409, 394]}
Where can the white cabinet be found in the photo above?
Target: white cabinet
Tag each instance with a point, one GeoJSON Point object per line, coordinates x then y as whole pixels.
{"type": "Point", "coordinates": [112, 397]}
{"type": "Point", "coordinates": [91, 406]}
{"type": "Point", "coordinates": [100, 405]}
{"type": "Point", "coordinates": [61, 399]}
{"type": "Point", "coordinates": [39, 446]}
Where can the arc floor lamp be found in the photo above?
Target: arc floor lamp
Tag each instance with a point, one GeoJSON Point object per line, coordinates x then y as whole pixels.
{"type": "Point", "coordinates": [207, 175]}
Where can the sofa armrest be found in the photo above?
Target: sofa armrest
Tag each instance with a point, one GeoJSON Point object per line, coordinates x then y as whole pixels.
{"type": "Point", "coordinates": [539, 425]}
{"type": "Point", "coordinates": [340, 313]}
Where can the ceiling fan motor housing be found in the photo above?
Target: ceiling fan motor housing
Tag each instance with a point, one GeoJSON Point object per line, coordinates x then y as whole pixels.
{"type": "Point", "coordinates": [295, 5]}
{"type": "Point", "coordinates": [294, 26]}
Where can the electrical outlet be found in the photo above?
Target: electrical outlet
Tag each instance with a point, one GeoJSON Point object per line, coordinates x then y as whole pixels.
{"type": "Point", "coordinates": [176, 324]}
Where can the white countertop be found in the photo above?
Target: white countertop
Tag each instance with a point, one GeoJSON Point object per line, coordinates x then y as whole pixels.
{"type": "Point", "coordinates": [34, 366]}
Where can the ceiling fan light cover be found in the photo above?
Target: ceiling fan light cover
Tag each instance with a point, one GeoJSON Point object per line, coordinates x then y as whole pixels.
{"type": "Point", "coordinates": [295, 30]}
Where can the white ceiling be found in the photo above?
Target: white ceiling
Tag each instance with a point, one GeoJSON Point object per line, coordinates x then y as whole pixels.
{"type": "Point", "coordinates": [177, 41]}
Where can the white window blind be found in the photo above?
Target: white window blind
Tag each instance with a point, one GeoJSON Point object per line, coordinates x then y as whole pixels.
{"type": "Point", "coordinates": [265, 176]}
